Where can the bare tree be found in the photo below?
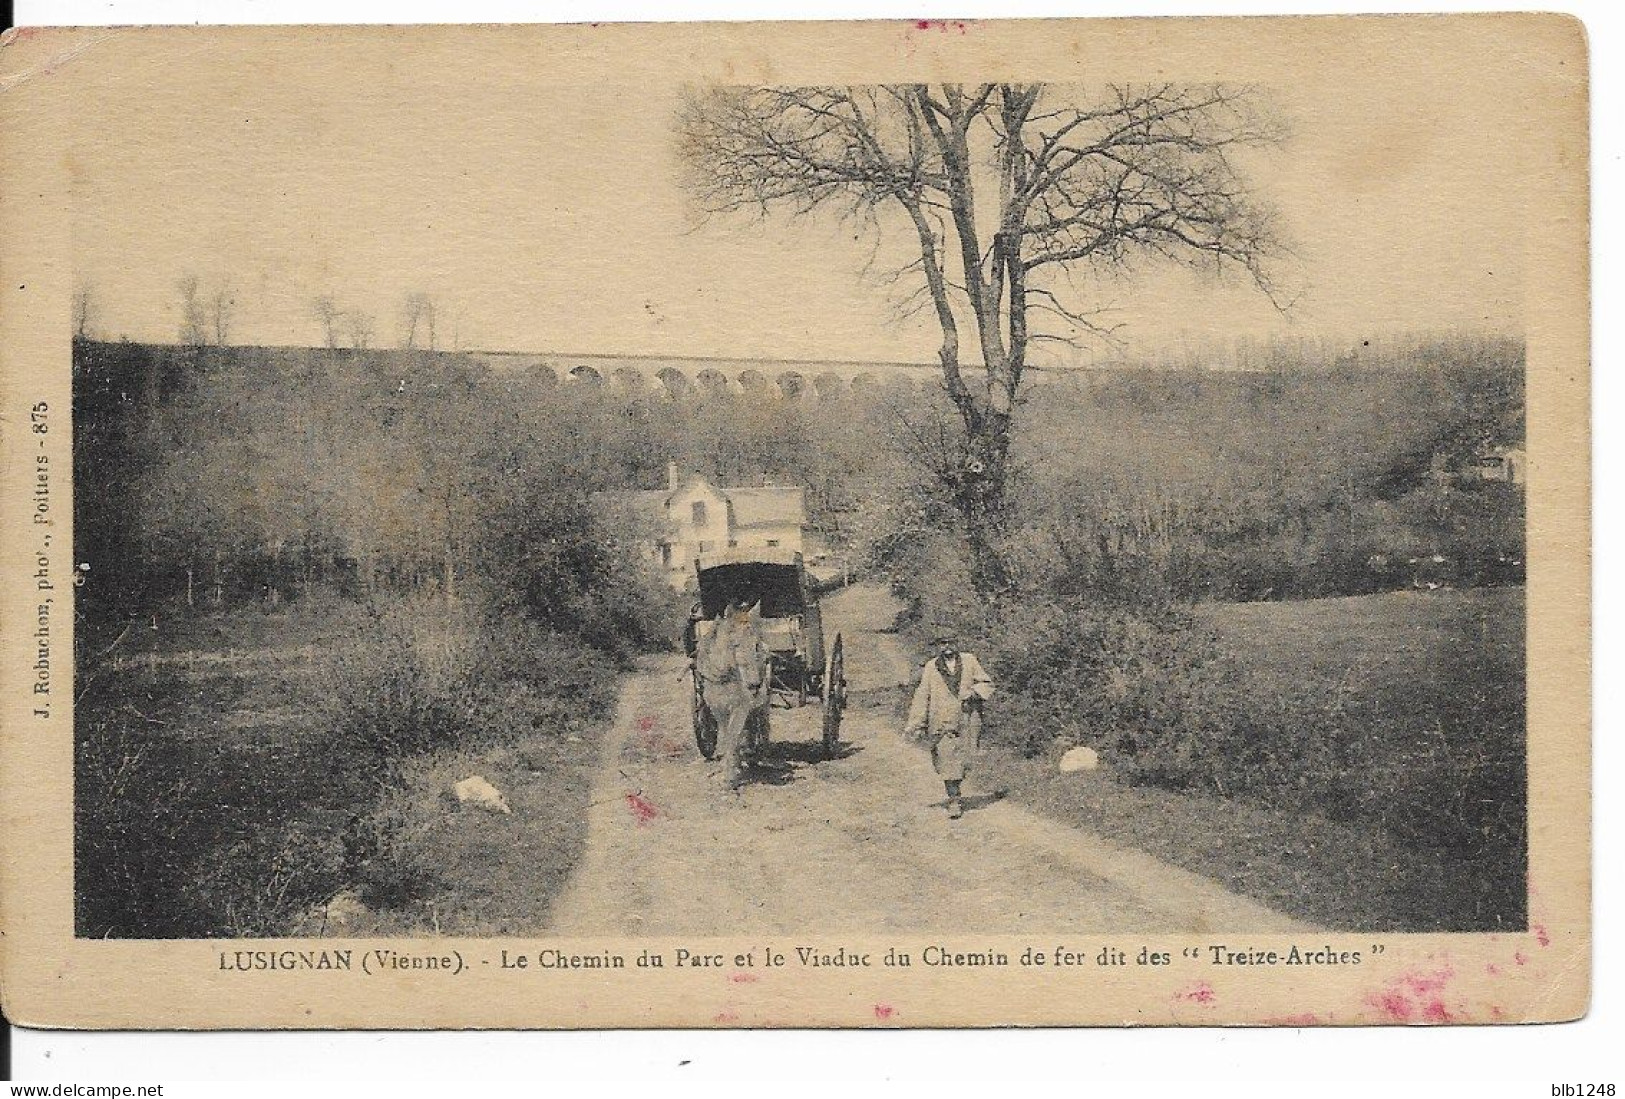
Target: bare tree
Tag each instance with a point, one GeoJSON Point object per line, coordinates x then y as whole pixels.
{"type": "Point", "coordinates": [457, 327]}
{"type": "Point", "coordinates": [84, 311]}
{"type": "Point", "coordinates": [222, 305]}
{"type": "Point", "coordinates": [416, 310]}
{"type": "Point", "coordinates": [361, 329]}
{"type": "Point", "coordinates": [1005, 193]}
{"type": "Point", "coordinates": [194, 331]}
{"type": "Point", "coordinates": [325, 310]}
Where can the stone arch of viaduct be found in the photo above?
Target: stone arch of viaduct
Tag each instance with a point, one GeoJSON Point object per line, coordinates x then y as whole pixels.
{"type": "Point", "coordinates": [677, 377]}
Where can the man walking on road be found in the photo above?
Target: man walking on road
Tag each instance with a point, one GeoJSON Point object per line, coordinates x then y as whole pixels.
{"type": "Point", "coordinates": [947, 707]}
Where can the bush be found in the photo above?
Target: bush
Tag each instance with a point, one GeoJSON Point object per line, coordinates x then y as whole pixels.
{"type": "Point", "coordinates": [1152, 690]}
{"type": "Point", "coordinates": [565, 682]}
{"type": "Point", "coordinates": [179, 837]}
{"type": "Point", "coordinates": [1082, 656]}
{"type": "Point", "coordinates": [1438, 764]}
{"type": "Point", "coordinates": [554, 560]}
{"type": "Point", "coordinates": [931, 574]}
{"type": "Point", "coordinates": [385, 859]}
{"type": "Point", "coordinates": [1145, 686]}
{"type": "Point", "coordinates": [256, 886]}
{"type": "Point", "coordinates": [407, 679]}
{"type": "Point", "coordinates": [184, 830]}
{"type": "Point", "coordinates": [420, 678]}
{"type": "Point", "coordinates": [135, 813]}
{"type": "Point", "coordinates": [1099, 652]}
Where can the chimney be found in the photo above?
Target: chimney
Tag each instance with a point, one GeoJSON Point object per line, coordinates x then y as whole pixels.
{"type": "Point", "coordinates": [671, 476]}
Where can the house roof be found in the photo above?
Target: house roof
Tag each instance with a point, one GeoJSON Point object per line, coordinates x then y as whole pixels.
{"type": "Point", "coordinates": [759, 506]}
{"type": "Point", "coordinates": [751, 506]}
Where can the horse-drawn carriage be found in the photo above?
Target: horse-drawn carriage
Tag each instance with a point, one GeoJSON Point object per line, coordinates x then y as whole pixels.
{"type": "Point", "coordinates": [755, 640]}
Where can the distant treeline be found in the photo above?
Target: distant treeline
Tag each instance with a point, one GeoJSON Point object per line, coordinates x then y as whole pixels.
{"type": "Point", "coordinates": [210, 475]}
{"type": "Point", "coordinates": [1294, 353]}
{"type": "Point", "coordinates": [1342, 480]}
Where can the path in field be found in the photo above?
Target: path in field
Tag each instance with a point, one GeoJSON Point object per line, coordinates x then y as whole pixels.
{"type": "Point", "coordinates": [860, 843]}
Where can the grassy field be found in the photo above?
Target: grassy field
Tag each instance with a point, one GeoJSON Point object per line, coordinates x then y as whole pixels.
{"type": "Point", "coordinates": [1412, 817]}
{"type": "Point", "coordinates": [215, 796]}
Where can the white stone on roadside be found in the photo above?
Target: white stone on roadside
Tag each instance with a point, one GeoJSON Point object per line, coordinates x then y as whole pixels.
{"type": "Point", "coordinates": [1080, 759]}
{"type": "Point", "coordinates": [475, 791]}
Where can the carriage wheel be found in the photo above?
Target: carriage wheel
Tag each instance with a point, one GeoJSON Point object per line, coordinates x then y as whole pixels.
{"type": "Point", "coordinates": [834, 697]}
{"type": "Point", "coordinates": [705, 727]}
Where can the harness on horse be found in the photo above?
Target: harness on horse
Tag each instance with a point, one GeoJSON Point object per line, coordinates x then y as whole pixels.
{"type": "Point", "coordinates": [735, 668]}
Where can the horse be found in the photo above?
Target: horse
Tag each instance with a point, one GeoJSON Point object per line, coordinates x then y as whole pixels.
{"type": "Point", "coordinates": [731, 671]}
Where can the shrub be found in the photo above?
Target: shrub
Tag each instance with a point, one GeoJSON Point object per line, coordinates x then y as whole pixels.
{"type": "Point", "coordinates": [257, 885]}
{"type": "Point", "coordinates": [630, 612]}
{"type": "Point", "coordinates": [565, 682]}
{"type": "Point", "coordinates": [136, 816]}
{"type": "Point", "coordinates": [1084, 652]}
{"type": "Point", "coordinates": [1143, 685]}
{"type": "Point", "coordinates": [385, 859]}
{"type": "Point", "coordinates": [406, 680]}
{"type": "Point", "coordinates": [183, 830]}
{"type": "Point", "coordinates": [181, 837]}
{"type": "Point", "coordinates": [931, 573]}
{"type": "Point", "coordinates": [552, 559]}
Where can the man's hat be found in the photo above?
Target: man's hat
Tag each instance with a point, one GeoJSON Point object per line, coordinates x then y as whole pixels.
{"type": "Point", "coordinates": [940, 636]}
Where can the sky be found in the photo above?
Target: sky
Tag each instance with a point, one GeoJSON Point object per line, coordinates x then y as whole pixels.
{"type": "Point", "coordinates": [542, 216]}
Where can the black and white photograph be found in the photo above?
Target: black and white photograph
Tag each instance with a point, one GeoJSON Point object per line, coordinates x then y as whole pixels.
{"type": "Point", "coordinates": [728, 504]}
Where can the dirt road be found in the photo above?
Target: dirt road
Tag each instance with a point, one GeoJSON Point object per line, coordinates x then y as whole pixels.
{"type": "Point", "coordinates": [860, 843]}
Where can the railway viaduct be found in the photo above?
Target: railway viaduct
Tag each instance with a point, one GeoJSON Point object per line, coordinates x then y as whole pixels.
{"type": "Point", "coordinates": [679, 377]}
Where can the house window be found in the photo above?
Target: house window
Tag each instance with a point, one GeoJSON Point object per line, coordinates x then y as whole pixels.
{"type": "Point", "coordinates": [771, 542]}
{"type": "Point", "coordinates": [698, 510]}
{"type": "Point", "coordinates": [665, 554]}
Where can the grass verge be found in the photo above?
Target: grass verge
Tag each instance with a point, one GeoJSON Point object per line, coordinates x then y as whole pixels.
{"type": "Point", "coordinates": [229, 791]}
{"type": "Point", "coordinates": [1393, 799]}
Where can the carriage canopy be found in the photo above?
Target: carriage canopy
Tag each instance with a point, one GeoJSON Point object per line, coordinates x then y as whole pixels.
{"type": "Point", "coordinates": [772, 577]}
{"type": "Point", "coordinates": [792, 626]}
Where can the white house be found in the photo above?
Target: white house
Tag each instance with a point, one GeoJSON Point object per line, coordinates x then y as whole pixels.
{"type": "Point", "coordinates": [692, 516]}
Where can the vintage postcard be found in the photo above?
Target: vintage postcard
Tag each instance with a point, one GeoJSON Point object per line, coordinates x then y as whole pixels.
{"type": "Point", "coordinates": [894, 524]}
